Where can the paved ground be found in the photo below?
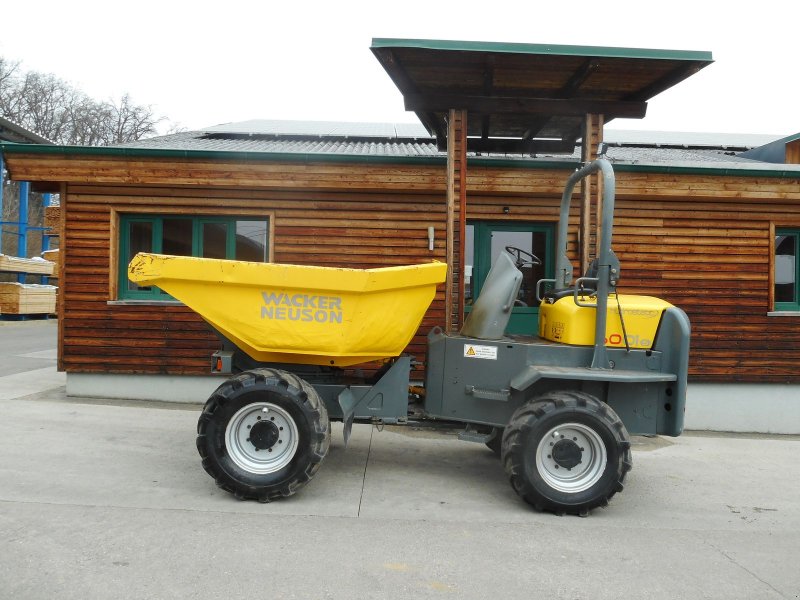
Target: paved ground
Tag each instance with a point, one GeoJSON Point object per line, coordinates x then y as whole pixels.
{"type": "Point", "coordinates": [108, 500]}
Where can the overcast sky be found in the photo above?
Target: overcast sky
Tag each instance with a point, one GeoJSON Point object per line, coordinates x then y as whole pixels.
{"type": "Point", "coordinates": [203, 63]}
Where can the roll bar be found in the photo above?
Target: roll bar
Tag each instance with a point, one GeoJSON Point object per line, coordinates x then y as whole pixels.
{"type": "Point", "coordinates": [607, 264]}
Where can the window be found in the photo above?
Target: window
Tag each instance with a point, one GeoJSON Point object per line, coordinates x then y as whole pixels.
{"type": "Point", "coordinates": [787, 294]}
{"type": "Point", "coordinates": [245, 238]}
{"type": "Point", "coordinates": [485, 241]}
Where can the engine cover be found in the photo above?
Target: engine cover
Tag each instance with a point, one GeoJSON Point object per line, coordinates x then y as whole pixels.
{"type": "Point", "coordinates": [565, 322]}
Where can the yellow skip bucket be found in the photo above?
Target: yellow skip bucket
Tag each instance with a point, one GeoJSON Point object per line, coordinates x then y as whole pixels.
{"type": "Point", "coordinates": [299, 314]}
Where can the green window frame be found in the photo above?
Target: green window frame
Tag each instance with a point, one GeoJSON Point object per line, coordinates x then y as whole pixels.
{"type": "Point", "coordinates": [787, 270]}
{"type": "Point", "coordinates": [232, 238]}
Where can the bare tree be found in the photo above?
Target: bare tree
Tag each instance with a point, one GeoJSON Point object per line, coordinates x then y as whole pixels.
{"type": "Point", "coordinates": [63, 114]}
{"type": "Point", "coordinates": [55, 110]}
{"type": "Point", "coordinates": [131, 122]}
{"type": "Point", "coordinates": [8, 95]}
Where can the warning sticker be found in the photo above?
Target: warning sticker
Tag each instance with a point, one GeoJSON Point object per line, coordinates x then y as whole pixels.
{"type": "Point", "coordinates": [486, 352]}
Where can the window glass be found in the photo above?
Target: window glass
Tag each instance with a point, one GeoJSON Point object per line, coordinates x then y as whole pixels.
{"type": "Point", "coordinates": [215, 240]}
{"type": "Point", "coordinates": [140, 239]}
{"type": "Point", "coordinates": [786, 268]}
{"type": "Point", "coordinates": [209, 237]}
{"type": "Point", "coordinates": [485, 241]}
{"type": "Point", "coordinates": [532, 242]}
{"type": "Point", "coordinates": [177, 237]}
{"type": "Point", "coordinates": [469, 262]}
{"type": "Point", "coordinates": [251, 240]}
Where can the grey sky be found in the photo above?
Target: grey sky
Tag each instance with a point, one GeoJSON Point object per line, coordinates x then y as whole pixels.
{"type": "Point", "coordinates": [202, 63]}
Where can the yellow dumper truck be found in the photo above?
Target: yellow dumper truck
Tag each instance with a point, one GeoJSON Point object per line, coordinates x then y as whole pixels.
{"type": "Point", "coordinates": [557, 407]}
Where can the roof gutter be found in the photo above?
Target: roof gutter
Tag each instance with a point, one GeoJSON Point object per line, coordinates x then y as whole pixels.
{"type": "Point", "coordinates": [766, 170]}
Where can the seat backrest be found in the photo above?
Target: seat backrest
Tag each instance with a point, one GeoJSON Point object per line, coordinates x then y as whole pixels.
{"type": "Point", "coordinates": [490, 314]}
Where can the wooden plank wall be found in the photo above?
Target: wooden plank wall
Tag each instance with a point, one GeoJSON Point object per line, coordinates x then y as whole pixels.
{"type": "Point", "coordinates": [359, 229]}
{"type": "Point", "coordinates": [704, 243]}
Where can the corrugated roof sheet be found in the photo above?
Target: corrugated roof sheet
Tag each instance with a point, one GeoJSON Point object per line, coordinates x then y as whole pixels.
{"type": "Point", "coordinates": [11, 132]}
{"type": "Point", "coordinates": [322, 128]}
{"type": "Point", "coordinates": [290, 144]}
{"type": "Point", "coordinates": [408, 140]}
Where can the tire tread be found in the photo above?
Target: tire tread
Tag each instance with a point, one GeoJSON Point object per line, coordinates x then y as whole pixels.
{"type": "Point", "coordinates": [304, 395]}
{"type": "Point", "coordinates": [525, 418]}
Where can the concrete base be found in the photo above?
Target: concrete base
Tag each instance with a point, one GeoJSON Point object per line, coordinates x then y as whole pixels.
{"type": "Point", "coordinates": [739, 407]}
{"type": "Point", "coordinates": [744, 407]}
{"type": "Point", "coordinates": [164, 388]}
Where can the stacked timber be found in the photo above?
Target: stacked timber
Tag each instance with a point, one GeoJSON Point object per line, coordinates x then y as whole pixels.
{"type": "Point", "coordinates": [52, 217]}
{"type": "Point", "coordinates": [53, 257]}
{"type": "Point", "coordinates": [34, 266]}
{"type": "Point", "coordinates": [27, 299]}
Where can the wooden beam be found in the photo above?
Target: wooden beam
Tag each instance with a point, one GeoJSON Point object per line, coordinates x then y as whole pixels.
{"type": "Point", "coordinates": [449, 227]}
{"type": "Point", "coordinates": [461, 155]}
{"type": "Point", "coordinates": [578, 78]}
{"type": "Point", "coordinates": [456, 202]}
{"type": "Point", "coordinates": [405, 84]}
{"type": "Point", "coordinates": [484, 105]}
{"type": "Point", "coordinates": [488, 87]}
{"type": "Point", "coordinates": [62, 259]}
{"type": "Point", "coordinates": [435, 127]}
{"type": "Point", "coordinates": [509, 146]}
{"type": "Point", "coordinates": [664, 83]}
{"type": "Point", "coordinates": [590, 189]}
{"type": "Point", "coordinates": [771, 272]}
{"type": "Point", "coordinates": [568, 89]}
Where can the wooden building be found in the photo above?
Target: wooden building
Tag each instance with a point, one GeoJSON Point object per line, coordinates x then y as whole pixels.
{"type": "Point", "coordinates": [696, 222]}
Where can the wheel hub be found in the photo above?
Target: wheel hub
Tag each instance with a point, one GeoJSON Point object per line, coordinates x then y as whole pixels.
{"type": "Point", "coordinates": [571, 457]}
{"type": "Point", "coordinates": [261, 438]}
{"type": "Point", "coordinates": [567, 454]}
{"type": "Point", "coordinates": [264, 435]}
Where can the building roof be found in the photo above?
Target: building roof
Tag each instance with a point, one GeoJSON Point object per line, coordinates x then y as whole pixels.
{"type": "Point", "coordinates": [11, 132]}
{"type": "Point", "coordinates": [528, 97]}
{"type": "Point", "coordinates": [315, 141]}
{"type": "Point", "coordinates": [410, 140]}
{"type": "Point", "coordinates": [772, 152]}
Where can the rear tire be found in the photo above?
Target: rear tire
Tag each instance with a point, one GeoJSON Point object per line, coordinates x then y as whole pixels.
{"type": "Point", "coordinates": [263, 434]}
{"type": "Point", "coordinates": [566, 452]}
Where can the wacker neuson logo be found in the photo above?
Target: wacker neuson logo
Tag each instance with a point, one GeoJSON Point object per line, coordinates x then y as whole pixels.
{"type": "Point", "coordinates": [301, 307]}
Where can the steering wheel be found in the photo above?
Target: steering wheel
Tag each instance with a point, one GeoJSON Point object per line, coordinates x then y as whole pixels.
{"type": "Point", "coordinates": [523, 257]}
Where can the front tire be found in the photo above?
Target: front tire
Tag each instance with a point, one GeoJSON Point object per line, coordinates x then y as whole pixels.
{"type": "Point", "coordinates": [263, 434]}
{"type": "Point", "coordinates": [566, 452]}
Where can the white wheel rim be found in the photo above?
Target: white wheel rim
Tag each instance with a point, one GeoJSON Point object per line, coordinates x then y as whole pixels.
{"type": "Point", "coordinates": [581, 443]}
{"type": "Point", "coordinates": [245, 453]}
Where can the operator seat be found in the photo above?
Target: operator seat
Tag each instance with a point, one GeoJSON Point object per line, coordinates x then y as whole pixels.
{"type": "Point", "coordinates": [491, 311]}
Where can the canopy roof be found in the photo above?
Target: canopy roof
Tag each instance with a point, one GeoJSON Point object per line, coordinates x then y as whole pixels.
{"type": "Point", "coordinates": [528, 97]}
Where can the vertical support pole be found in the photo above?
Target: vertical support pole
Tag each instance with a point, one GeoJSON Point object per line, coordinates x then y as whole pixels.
{"type": "Point", "coordinates": [2, 186]}
{"type": "Point", "coordinates": [456, 203]}
{"type": "Point", "coordinates": [449, 230]}
{"type": "Point", "coordinates": [46, 199]}
{"type": "Point", "coordinates": [597, 139]}
{"type": "Point", "coordinates": [22, 237]}
{"type": "Point", "coordinates": [592, 137]}
{"type": "Point", "coordinates": [62, 259]}
{"type": "Point", "coordinates": [460, 137]}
